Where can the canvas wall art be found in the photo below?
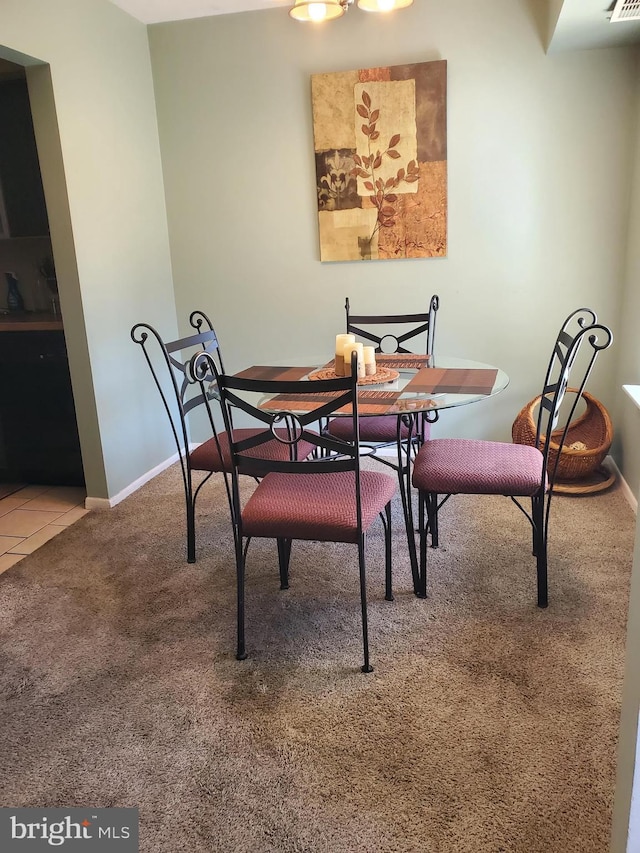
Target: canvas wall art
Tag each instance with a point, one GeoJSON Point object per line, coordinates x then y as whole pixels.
{"type": "Point", "coordinates": [380, 138]}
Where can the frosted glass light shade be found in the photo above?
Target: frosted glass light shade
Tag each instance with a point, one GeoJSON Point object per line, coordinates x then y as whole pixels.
{"type": "Point", "coordinates": [311, 10]}
{"type": "Point", "coordinates": [383, 5]}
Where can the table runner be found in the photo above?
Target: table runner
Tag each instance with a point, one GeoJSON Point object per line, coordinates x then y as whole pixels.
{"type": "Point", "coordinates": [396, 361]}
{"type": "Point", "coordinates": [369, 402]}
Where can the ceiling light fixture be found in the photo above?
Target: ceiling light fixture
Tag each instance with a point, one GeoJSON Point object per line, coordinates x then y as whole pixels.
{"type": "Point", "coordinates": [327, 10]}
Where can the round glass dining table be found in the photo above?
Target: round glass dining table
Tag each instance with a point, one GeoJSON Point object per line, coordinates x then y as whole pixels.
{"type": "Point", "coordinates": [416, 387]}
{"type": "Point", "coordinates": [418, 384]}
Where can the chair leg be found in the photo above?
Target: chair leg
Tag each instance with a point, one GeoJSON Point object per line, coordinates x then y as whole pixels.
{"type": "Point", "coordinates": [241, 653]}
{"type": "Point", "coordinates": [366, 667]}
{"type": "Point", "coordinates": [284, 555]}
{"type": "Point", "coordinates": [191, 496]}
{"type": "Point", "coordinates": [404, 483]}
{"type": "Point", "coordinates": [534, 541]}
{"type": "Point", "coordinates": [387, 553]}
{"type": "Point", "coordinates": [540, 548]}
{"type": "Point", "coordinates": [191, 530]}
{"type": "Point", "coordinates": [432, 512]}
{"type": "Point", "coordinates": [421, 589]}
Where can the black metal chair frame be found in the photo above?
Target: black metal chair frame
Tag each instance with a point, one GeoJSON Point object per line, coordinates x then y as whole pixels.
{"type": "Point", "coordinates": [565, 350]}
{"type": "Point", "coordinates": [420, 324]}
{"type": "Point", "coordinates": [333, 455]}
{"type": "Point", "coordinates": [184, 396]}
{"type": "Point", "coordinates": [424, 323]}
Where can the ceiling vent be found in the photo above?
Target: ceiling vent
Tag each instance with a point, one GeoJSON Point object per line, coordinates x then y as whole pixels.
{"type": "Point", "coordinates": [625, 10]}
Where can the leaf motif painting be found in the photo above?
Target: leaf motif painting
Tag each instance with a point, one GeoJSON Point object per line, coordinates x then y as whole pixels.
{"type": "Point", "coordinates": [380, 138]}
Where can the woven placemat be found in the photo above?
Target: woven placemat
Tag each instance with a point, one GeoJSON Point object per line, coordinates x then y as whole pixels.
{"type": "Point", "coordinates": [383, 374]}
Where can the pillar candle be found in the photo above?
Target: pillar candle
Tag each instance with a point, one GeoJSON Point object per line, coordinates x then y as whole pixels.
{"type": "Point", "coordinates": [369, 356]}
{"type": "Point", "coordinates": [348, 349]}
{"type": "Point", "coordinates": [341, 340]}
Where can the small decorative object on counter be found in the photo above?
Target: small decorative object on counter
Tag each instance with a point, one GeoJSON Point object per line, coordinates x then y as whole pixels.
{"type": "Point", "coordinates": [48, 271]}
{"type": "Point", "coordinates": [41, 300]}
{"type": "Point", "coordinates": [15, 302]}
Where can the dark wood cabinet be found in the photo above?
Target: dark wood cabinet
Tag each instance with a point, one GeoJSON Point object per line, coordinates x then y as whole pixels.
{"type": "Point", "coordinates": [20, 179]}
{"type": "Point", "coordinates": [38, 429]}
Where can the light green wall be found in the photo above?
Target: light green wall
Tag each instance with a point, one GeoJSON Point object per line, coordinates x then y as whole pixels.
{"type": "Point", "coordinates": [627, 444]}
{"type": "Point", "coordinates": [105, 199]}
{"type": "Point", "coordinates": [539, 157]}
{"type": "Point", "coordinates": [43, 110]}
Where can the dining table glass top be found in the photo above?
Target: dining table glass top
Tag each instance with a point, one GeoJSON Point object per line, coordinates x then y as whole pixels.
{"type": "Point", "coordinates": [419, 383]}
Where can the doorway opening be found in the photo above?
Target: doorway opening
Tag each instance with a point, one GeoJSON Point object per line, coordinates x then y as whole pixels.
{"type": "Point", "coordinates": [39, 441]}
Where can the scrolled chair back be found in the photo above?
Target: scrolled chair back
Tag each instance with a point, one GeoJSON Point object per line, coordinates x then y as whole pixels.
{"type": "Point", "coordinates": [287, 427]}
{"type": "Point", "coordinates": [392, 341]}
{"type": "Point", "coordinates": [580, 329]}
{"type": "Point", "coordinates": [168, 363]}
{"type": "Point", "coordinates": [178, 392]}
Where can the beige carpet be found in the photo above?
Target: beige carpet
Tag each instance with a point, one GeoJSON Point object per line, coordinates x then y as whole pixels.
{"type": "Point", "coordinates": [488, 725]}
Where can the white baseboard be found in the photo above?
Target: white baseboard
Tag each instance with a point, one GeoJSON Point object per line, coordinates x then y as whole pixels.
{"type": "Point", "coordinates": [626, 491]}
{"type": "Point", "coordinates": [108, 503]}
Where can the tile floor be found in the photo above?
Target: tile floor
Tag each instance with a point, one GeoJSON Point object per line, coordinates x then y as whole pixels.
{"type": "Point", "coordinates": [32, 516]}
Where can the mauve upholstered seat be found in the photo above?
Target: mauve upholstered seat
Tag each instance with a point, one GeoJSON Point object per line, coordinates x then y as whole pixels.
{"type": "Point", "coordinates": [206, 457]}
{"type": "Point", "coordinates": [471, 467]}
{"type": "Point", "coordinates": [315, 506]}
{"type": "Point", "coordinates": [380, 428]}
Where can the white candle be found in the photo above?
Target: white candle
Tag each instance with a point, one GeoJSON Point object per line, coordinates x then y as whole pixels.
{"type": "Point", "coordinates": [348, 349]}
{"type": "Point", "coordinates": [369, 356]}
{"type": "Point", "coordinates": [341, 341]}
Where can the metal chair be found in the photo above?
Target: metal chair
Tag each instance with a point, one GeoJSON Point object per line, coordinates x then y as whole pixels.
{"type": "Point", "coordinates": [389, 333]}
{"type": "Point", "coordinates": [383, 331]}
{"type": "Point", "coordinates": [182, 397]}
{"type": "Point", "coordinates": [462, 466]}
{"type": "Point", "coordinates": [324, 497]}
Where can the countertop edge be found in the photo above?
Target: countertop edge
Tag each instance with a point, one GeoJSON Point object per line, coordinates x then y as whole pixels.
{"type": "Point", "coordinates": [31, 326]}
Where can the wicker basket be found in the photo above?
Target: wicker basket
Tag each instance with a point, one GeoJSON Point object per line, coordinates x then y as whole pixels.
{"type": "Point", "coordinates": [587, 443]}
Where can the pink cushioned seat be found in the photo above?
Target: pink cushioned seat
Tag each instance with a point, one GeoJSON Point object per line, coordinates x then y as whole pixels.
{"type": "Point", "coordinates": [315, 506]}
{"type": "Point", "coordinates": [206, 457]}
{"type": "Point", "coordinates": [379, 428]}
{"type": "Point", "coordinates": [471, 467]}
